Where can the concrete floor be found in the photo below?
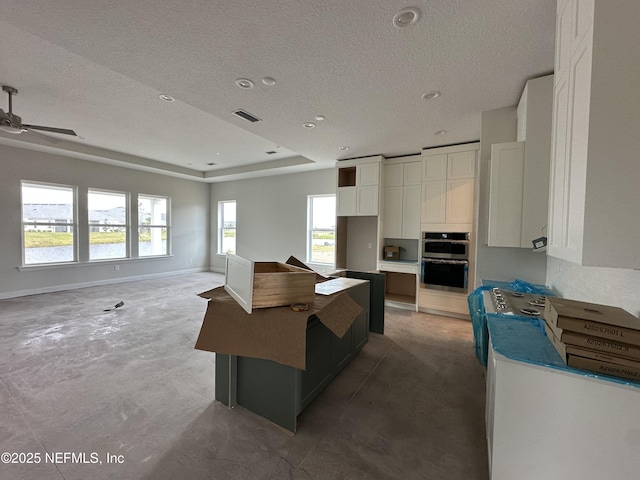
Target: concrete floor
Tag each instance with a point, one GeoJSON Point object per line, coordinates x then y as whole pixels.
{"type": "Point", "coordinates": [128, 383]}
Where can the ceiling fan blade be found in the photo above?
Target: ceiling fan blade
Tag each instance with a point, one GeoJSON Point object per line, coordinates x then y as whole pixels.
{"type": "Point", "coordinates": [35, 134]}
{"type": "Point", "coordinates": [50, 129]}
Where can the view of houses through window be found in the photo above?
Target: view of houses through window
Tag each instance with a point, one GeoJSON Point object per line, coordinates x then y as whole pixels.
{"type": "Point", "coordinates": [108, 224]}
{"type": "Point", "coordinates": [321, 230]}
{"type": "Point", "coordinates": [50, 224]}
{"type": "Point", "coordinates": [227, 227]}
{"type": "Point", "coordinates": [153, 225]}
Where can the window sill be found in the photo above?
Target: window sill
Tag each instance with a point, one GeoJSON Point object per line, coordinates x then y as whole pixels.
{"type": "Point", "coordinates": [92, 263]}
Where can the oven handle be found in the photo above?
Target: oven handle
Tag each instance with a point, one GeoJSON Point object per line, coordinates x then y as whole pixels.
{"type": "Point", "coordinates": [444, 240]}
{"type": "Point", "coordinates": [445, 261]}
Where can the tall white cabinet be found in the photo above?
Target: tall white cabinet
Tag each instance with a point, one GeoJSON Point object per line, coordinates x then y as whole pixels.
{"type": "Point", "coordinates": [519, 176]}
{"type": "Point", "coordinates": [401, 199]}
{"type": "Point", "coordinates": [448, 181]}
{"type": "Point", "coordinates": [594, 218]}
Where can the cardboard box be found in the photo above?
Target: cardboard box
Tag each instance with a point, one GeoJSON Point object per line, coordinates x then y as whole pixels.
{"type": "Point", "coordinates": [593, 319]}
{"type": "Point", "coordinates": [278, 334]}
{"type": "Point", "coordinates": [391, 253]}
{"type": "Point", "coordinates": [588, 342]}
{"type": "Point", "coordinates": [565, 349]}
{"type": "Point", "coordinates": [604, 368]}
{"type": "Point", "coordinates": [267, 284]}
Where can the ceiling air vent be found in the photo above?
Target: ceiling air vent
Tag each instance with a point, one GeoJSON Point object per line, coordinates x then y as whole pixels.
{"type": "Point", "coordinates": [270, 152]}
{"type": "Point", "coordinates": [246, 116]}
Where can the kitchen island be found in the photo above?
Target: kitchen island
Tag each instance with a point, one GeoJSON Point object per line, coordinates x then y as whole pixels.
{"type": "Point", "coordinates": [547, 420]}
{"type": "Point", "coordinates": [280, 392]}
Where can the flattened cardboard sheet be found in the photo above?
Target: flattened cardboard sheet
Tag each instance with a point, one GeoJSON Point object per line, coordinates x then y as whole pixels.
{"type": "Point", "coordinates": [276, 333]}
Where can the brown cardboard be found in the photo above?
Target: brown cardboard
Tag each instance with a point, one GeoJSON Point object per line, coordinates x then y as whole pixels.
{"type": "Point", "coordinates": [588, 342]}
{"type": "Point", "coordinates": [391, 253]}
{"type": "Point", "coordinates": [604, 368]}
{"type": "Point", "coordinates": [593, 319]}
{"type": "Point", "coordinates": [276, 333]}
{"type": "Point", "coordinates": [276, 284]}
{"type": "Point", "coordinates": [603, 357]}
{"type": "Point", "coordinates": [297, 263]}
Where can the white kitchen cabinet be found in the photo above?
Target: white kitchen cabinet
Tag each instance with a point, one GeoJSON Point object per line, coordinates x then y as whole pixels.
{"type": "Point", "coordinates": [447, 192]}
{"type": "Point", "coordinates": [346, 201]}
{"type": "Point", "coordinates": [434, 202]}
{"type": "Point", "coordinates": [401, 203]}
{"type": "Point", "coordinates": [459, 204]}
{"type": "Point", "coordinates": [358, 192]}
{"type": "Point", "coordinates": [461, 165]}
{"type": "Point", "coordinates": [506, 182]}
{"type": "Point", "coordinates": [434, 167]}
{"type": "Point", "coordinates": [519, 177]}
{"type": "Point", "coordinates": [593, 216]}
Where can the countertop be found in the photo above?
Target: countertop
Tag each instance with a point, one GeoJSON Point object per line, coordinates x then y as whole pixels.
{"type": "Point", "coordinates": [523, 339]}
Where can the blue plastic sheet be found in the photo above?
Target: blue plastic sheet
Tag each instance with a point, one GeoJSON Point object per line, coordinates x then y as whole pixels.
{"type": "Point", "coordinates": [479, 315]}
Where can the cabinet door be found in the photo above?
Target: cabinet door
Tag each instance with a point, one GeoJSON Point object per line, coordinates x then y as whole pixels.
{"type": "Point", "coordinates": [392, 219]}
{"type": "Point", "coordinates": [432, 204]}
{"type": "Point", "coordinates": [411, 211]}
{"type": "Point", "coordinates": [459, 196]}
{"type": "Point", "coordinates": [576, 168]}
{"type": "Point", "coordinates": [368, 174]}
{"type": "Point", "coordinates": [412, 173]}
{"type": "Point", "coordinates": [563, 38]}
{"type": "Point", "coordinates": [393, 175]}
{"type": "Point", "coordinates": [434, 167]}
{"type": "Point", "coordinates": [505, 194]}
{"type": "Point", "coordinates": [461, 165]}
{"type": "Point", "coordinates": [346, 202]}
{"type": "Point", "coordinates": [560, 131]}
{"type": "Point", "coordinates": [367, 200]}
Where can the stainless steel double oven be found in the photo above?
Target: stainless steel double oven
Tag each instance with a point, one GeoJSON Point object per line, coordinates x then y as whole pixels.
{"type": "Point", "coordinates": [445, 261]}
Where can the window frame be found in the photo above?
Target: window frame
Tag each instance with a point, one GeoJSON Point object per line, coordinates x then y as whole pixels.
{"type": "Point", "coordinates": [73, 224]}
{"type": "Point", "coordinates": [221, 227]}
{"type": "Point", "coordinates": [166, 226]}
{"type": "Point", "coordinates": [126, 225]}
{"type": "Point", "coordinates": [311, 230]}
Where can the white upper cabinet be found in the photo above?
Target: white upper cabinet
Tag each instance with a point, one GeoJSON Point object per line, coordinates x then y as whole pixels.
{"type": "Point", "coordinates": [358, 192]}
{"type": "Point", "coordinates": [401, 198]}
{"type": "Point", "coordinates": [594, 217]}
{"type": "Point", "coordinates": [448, 180]}
{"type": "Point", "coordinates": [519, 177]}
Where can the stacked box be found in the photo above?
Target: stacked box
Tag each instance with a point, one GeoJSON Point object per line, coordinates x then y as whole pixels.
{"type": "Point", "coordinates": [598, 338]}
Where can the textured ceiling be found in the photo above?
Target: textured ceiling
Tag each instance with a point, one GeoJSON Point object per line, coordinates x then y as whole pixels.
{"type": "Point", "coordinates": [98, 66]}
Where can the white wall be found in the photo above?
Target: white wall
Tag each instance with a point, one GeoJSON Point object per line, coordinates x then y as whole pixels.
{"type": "Point", "coordinates": [609, 286]}
{"type": "Point", "coordinates": [501, 263]}
{"type": "Point", "coordinates": [271, 214]}
{"type": "Point", "coordinates": [189, 201]}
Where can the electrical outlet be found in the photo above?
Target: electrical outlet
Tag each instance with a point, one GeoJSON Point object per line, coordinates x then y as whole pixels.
{"type": "Point", "coordinates": [190, 260]}
{"type": "Point", "coordinates": [370, 245]}
{"type": "Point", "coordinates": [116, 268]}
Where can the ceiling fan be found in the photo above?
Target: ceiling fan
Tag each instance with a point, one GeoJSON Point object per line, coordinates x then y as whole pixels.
{"type": "Point", "coordinates": [11, 123]}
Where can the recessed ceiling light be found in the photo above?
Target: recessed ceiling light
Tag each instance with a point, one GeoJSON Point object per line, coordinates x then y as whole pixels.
{"type": "Point", "coordinates": [244, 83]}
{"type": "Point", "coordinates": [431, 95]}
{"type": "Point", "coordinates": [440, 132]}
{"type": "Point", "coordinates": [406, 17]}
{"type": "Point", "coordinates": [217, 153]}
{"type": "Point", "coordinates": [320, 118]}
{"type": "Point", "coordinates": [167, 98]}
{"type": "Point", "coordinates": [269, 81]}
{"type": "Point", "coordinates": [343, 148]}
{"type": "Point", "coordinates": [309, 125]}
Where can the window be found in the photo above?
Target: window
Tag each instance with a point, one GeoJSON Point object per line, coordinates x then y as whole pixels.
{"type": "Point", "coordinates": [227, 227]}
{"type": "Point", "coordinates": [154, 226]}
{"type": "Point", "coordinates": [48, 223]}
{"type": "Point", "coordinates": [108, 224]}
{"type": "Point", "coordinates": [321, 229]}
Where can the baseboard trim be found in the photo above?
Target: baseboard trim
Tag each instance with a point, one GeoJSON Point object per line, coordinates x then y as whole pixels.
{"type": "Point", "coordinates": [96, 283]}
